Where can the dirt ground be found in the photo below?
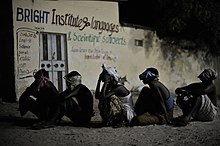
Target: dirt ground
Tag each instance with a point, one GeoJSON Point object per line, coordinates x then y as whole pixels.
{"type": "Point", "coordinates": [15, 131]}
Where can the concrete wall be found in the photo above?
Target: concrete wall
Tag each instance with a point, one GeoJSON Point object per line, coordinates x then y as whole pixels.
{"type": "Point", "coordinates": [128, 49]}
{"type": "Point", "coordinates": [177, 66]}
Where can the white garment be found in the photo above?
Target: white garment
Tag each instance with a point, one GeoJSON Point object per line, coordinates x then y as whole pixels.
{"type": "Point", "coordinates": [112, 71]}
{"type": "Point", "coordinates": [128, 105]}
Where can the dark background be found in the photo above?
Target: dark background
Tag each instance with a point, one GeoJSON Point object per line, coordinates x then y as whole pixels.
{"type": "Point", "coordinates": [7, 53]}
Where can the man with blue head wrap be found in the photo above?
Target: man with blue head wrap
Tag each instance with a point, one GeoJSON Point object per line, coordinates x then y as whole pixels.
{"type": "Point", "coordinates": [149, 74]}
{"type": "Point", "coordinates": [155, 103]}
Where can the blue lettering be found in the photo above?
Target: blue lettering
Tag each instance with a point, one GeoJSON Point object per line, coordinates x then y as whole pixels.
{"type": "Point", "coordinates": [30, 15]}
{"type": "Point", "coordinates": [19, 14]}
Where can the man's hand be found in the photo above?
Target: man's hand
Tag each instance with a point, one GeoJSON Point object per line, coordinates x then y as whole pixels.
{"type": "Point", "coordinates": [181, 91]}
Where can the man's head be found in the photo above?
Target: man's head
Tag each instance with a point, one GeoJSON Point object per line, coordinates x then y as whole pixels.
{"type": "Point", "coordinates": [110, 74]}
{"type": "Point", "coordinates": [41, 73]}
{"type": "Point", "coordinates": [149, 75]}
{"type": "Point", "coordinates": [73, 79]}
{"type": "Point", "coordinates": [208, 75]}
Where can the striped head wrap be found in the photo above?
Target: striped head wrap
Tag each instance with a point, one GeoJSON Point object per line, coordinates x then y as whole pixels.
{"type": "Point", "coordinates": [208, 74]}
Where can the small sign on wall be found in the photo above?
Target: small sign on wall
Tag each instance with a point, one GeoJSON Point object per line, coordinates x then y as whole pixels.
{"type": "Point", "coordinates": [27, 46]}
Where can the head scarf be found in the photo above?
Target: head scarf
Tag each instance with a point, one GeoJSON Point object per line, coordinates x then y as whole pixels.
{"type": "Point", "coordinates": [208, 74]}
{"type": "Point", "coordinates": [42, 77]}
{"type": "Point", "coordinates": [74, 78]}
{"type": "Point", "coordinates": [149, 73]}
{"type": "Point", "coordinates": [112, 72]}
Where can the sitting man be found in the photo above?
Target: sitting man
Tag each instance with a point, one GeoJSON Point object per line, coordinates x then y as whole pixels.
{"type": "Point", "coordinates": [43, 90]}
{"type": "Point", "coordinates": [155, 103]}
{"type": "Point", "coordinates": [115, 100]}
{"type": "Point", "coordinates": [76, 103]}
{"type": "Point", "coordinates": [199, 100]}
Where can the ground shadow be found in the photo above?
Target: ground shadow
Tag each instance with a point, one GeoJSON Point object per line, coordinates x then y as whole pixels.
{"type": "Point", "coordinates": [18, 121]}
{"type": "Point", "coordinates": [28, 122]}
{"type": "Point", "coordinates": [92, 124]}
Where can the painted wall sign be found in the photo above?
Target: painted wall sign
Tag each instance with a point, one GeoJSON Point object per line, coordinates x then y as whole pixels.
{"type": "Point", "coordinates": [26, 38]}
{"type": "Point", "coordinates": [65, 19]}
